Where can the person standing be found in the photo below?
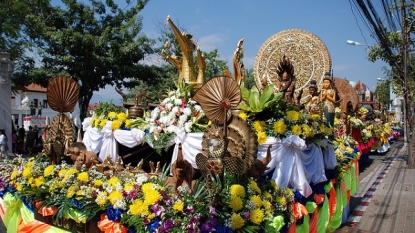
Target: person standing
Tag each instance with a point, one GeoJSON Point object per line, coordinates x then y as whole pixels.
{"type": "Point", "coordinates": [30, 139]}
{"type": "Point", "coordinates": [3, 145]}
{"type": "Point", "coordinates": [14, 141]}
{"type": "Point", "coordinates": [21, 135]}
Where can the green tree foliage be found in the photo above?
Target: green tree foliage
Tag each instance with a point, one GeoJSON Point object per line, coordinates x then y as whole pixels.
{"type": "Point", "coordinates": [13, 15]}
{"type": "Point", "coordinates": [97, 44]}
{"type": "Point", "coordinates": [382, 93]}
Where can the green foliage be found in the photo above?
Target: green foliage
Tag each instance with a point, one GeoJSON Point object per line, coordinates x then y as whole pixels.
{"type": "Point", "coordinates": [97, 44]}
{"type": "Point", "coordinates": [255, 102]}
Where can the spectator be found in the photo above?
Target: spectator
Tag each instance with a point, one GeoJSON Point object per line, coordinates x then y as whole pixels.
{"type": "Point", "coordinates": [14, 141]}
{"type": "Point", "coordinates": [3, 145]}
{"type": "Point", "coordinates": [21, 135]}
{"type": "Point", "coordinates": [30, 139]}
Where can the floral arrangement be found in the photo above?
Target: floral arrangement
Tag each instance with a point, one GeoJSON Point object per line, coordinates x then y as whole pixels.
{"type": "Point", "coordinates": [274, 117]}
{"type": "Point", "coordinates": [366, 134]}
{"type": "Point", "coordinates": [107, 111]}
{"type": "Point", "coordinates": [345, 150]}
{"type": "Point", "coordinates": [177, 111]}
{"type": "Point", "coordinates": [356, 122]}
{"type": "Point", "coordinates": [137, 202]}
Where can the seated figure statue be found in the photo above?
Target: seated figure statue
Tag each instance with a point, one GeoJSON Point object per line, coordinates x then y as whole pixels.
{"type": "Point", "coordinates": [311, 102]}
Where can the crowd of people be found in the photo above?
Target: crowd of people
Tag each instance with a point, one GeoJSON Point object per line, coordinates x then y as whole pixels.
{"type": "Point", "coordinates": [22, 142]}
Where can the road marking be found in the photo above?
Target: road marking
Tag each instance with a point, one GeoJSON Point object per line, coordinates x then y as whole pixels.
{"type": "Point", "coordinates": [359, 210]}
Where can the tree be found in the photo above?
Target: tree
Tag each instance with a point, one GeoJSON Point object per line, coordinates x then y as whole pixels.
{"type": "Point", "coordinates": [97, 45]}
{"type": "Point", "coordinates": [13, 17]}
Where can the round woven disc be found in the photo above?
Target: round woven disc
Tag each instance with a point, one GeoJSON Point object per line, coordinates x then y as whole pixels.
{"type": "Point", "coordinates": [308, 54]}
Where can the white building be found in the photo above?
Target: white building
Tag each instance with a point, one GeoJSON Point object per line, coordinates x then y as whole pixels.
{"type": "Point", "coordinates": [30, 107]}
{"type": "Point", "coordinates": [6, 68]}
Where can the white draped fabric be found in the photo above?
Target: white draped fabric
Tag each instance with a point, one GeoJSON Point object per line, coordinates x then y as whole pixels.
{"type": "Point", "coordinates": [104, 142]}
{"type": "Point", "coordinates": [293, 163]}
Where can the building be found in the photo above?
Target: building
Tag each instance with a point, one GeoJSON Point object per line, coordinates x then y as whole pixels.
{"type": "Point", "coordinates": [30, 107]}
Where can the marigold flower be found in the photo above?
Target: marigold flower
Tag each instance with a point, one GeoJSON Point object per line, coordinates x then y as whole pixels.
{"type": "Point", "coordinates": [259, 125]}
{"type": "Point", "coordinates": [256, 200]}
{"type": "Point", "coordinates": [178, 206]}
{"type": "Point", "coordinates": [262, 137]}
{"type": "Point", "coordinates": [48, 170]}
{"type": "Point", "coordinates": [296, 129]}
{"type": "Point", "coordinates": [242, 115]}
{"type": "Point", "coordinates": [235, 203]}
{"type": "Point", "coordinates": [237, 221]}
{"type": "Point", "coordinates": [83, 176]}
{"type": "Point", "coordinates": [116, 124]}
{"type": "Point", "coordinates": [257, 216]}
{"type": "Point", "coordinates": [293, 115]}
{"type": "Point", "coordinates": [280, 127]}
{"type": "Point", "coordinates": [237, 190]}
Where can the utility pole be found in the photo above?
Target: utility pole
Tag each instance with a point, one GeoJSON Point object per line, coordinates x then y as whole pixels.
{"type": "Point", "coordinates": [405, 36]}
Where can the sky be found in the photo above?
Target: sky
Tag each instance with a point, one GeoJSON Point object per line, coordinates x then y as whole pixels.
{"type": "Point", "coordinates": [221, 24]}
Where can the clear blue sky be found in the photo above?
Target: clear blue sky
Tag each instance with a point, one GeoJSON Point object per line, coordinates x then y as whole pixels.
{"type": "Point", "coordinates": [220, 24]}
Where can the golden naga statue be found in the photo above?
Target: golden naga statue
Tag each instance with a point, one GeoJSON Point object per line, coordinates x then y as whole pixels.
{"type": "Point", "coordinates": [185, 64]}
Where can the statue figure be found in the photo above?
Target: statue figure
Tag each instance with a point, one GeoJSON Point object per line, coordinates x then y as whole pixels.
{"type": "Point", "coordinates": [328, 99]}
{"type": "Point", "coordinates": [238, 65]}
{"type": "Point", "coordinates": [285, 71]}
{"type": "Point", "coordinates": [185, 63]}
{"type": "Point", "coordinates": [311, 102]}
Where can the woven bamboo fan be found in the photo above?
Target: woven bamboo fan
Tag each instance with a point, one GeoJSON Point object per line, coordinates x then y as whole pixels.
{"type": "Point", "coordinates": [217, 97]}
{"type": "Point", "coordinates": [63, 93]}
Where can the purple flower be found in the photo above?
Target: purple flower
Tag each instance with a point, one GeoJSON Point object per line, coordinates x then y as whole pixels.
{"type": "Point", "coordinates": [189, 210]}
{"type": "Point", "coordinates": [206, 226]}
{"type": "Point", "coordinates": [246, 216]}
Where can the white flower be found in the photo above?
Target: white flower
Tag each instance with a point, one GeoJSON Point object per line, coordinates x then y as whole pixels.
{"type": "Point", "coordinates": [169, 106]}
{"type": "Point", "coordinates": [188, 126]}
{"type": "Point", "coordinates": [170, 128]}
{"type": "Point", "coordinates": [178, 102]}
{"type": "Point", "coordinates": [120, 204]}
{"type": "Point", "coordinates": [197, 108]}
{"type": "Point", "coordinates": [140, 178]}
{"type": "Point", "coordinates": [175, 110]}
{"type": "Point", "coordinates": [182, 119]}
{"type": "Point", "coordinates": [165, 101]}
{"type": "Point", "coordinates": [187, 111]}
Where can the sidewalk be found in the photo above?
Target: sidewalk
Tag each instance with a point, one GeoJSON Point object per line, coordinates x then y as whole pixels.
{"type": "Point", "coordinates": [387, 197]}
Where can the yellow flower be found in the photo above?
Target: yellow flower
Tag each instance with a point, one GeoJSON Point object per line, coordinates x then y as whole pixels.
{"type": "Point", "coordinates": [259, 125]}
{"type": "Point", "coordinates": [262, 137]}
{"type": "Point", "coordinates": [314, 117]}
{"type": "Point", "coordinates": [235, 203]}
{"type": "Point", "coordinates": [237, 190]}
{"type": "Point", "coordinates": [83, 176]}
{"type": "Point", "coordinates": [48, 170]}
{"type": "Point", "coordinates": [127, 123]}
{"type": "Point", "coordinates": [39, 181]}
{"type": "Point", "coordinates": [293, 115]}
{"type": "Point", "coordinates": [112, 115]}
{"type": "Point", "coordinates": [128, 187]}
{"type": "Point", "coordinates": [257, 216]}
{"type": "Point", "coordinates": [101, 199]}
{"type": "Point", "coordinates": [103, 123]}
{"type": "Point", "coordinates": [147, 187]}
{"type": "Point", "coordinates": [122, 116]}
{"type": "Point", "coordinates": [267, 196]}
{"type": "Point", "coordinates": [242, 115]}
{"type": "Point", "coordinates": [308, 132]}
{"type": "Point", "coordinates": [151, 197]}
{"type": "Point", "coordinates": [97, 123]}
{"type": "Point", "coordinates": [296, 129]}
{"type": "Point", "coordinates": [138, 208]}
{"type": "Point", "coordinates": [237, 221]}
{"type": "Point", "coordinates": [14, 174]}
{"type": "Point", "coordinates": [71, 191]}
{"type": "Point", "coordinates": [254, 186]}
{"type": "Point", "coordinates": [19, 187]}
{"type": "Point", "coordinates": [280, 127]}
{"type": "Point", "coordinates": [114, 197]}
{"type": "Point", "coordinates": [27, 172]}
{"type": "Point", "coordinates": [178, 206]}
{"type": "Point", "coordinates": [114, 181]}
{"type": "Point", "coordinates": [281, 200]}
{"type": "Point", "coordinates": [256, 200]}
{"type": "Point", "coordinates": [116, 124]}
{"type": "Point", "coordinates": [98, 183]}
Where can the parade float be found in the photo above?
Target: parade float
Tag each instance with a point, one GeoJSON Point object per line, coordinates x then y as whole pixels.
{"type": "Point", "coordinates": [265, 163]}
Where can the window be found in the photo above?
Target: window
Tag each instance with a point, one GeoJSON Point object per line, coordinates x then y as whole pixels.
{"type": "Point", "coordinates": [45, 103]}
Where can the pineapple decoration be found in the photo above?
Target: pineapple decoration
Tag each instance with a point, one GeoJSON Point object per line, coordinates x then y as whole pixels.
{"type": "Point", "coordinates": [229, 142]}
{"type": "Point", "coordinates": [63, 95]}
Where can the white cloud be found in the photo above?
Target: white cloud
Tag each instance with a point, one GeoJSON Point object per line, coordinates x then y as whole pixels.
{"type": "Point", "coordinates": [210, 42]}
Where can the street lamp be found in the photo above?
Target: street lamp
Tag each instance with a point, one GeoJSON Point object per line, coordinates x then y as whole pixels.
{"type": "Point", "coordinates": [351, 42]}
